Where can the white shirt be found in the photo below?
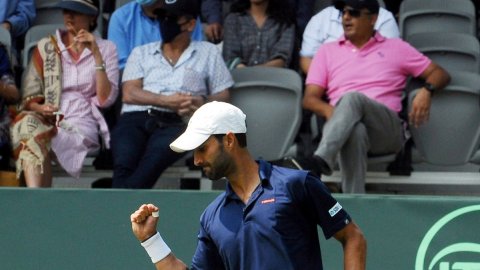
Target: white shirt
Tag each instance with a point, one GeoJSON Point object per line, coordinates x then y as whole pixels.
{"type": "Point", "coordinates": [200, 70]}
{"type": "Point", "coordinates": [326, 26]}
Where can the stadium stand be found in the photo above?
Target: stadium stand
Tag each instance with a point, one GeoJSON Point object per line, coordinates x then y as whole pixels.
{"type": "Point", "coordinates": [271, 98]}
{"type": "Point", "coordinates": [454, 51]}
{"type": "Point", "coordinates": [436, 16]}
{"type": "Point", "coordinates": [452, 134]}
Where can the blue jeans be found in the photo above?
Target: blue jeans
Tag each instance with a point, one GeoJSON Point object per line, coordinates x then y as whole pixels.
{"type": "Point", "coordinates": [140, 147]}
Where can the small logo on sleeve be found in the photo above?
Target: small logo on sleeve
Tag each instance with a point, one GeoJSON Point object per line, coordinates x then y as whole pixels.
{"type": "Point", "coordinates": [335, 209]}
{"type": "Point", "coordinates": [272, 200]}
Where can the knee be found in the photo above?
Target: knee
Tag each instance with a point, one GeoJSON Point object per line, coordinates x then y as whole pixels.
{"type": "Point", "coordinates": [351, 100]}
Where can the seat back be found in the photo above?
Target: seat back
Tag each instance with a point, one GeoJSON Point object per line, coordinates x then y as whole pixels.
{"type": "Point", "coordinates": [34, 34]}
{"type": "Point", "coordinates": [452, 134]}
{"type": "Point", "coordinates": [436, 16]}
{"type": "Point", "coordinates": [453, 51]}
{"type": "Point", "coordinates": [6, 40]}
{"type": "Point", "coordinates": [271, 99]}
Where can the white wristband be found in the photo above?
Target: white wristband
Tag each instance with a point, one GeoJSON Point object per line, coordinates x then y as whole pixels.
{"type": "Point", "coordinates": [156, 248]}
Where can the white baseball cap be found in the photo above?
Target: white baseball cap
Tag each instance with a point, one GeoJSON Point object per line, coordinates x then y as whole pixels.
{"type": "Point", "coordinates": [212, 118]}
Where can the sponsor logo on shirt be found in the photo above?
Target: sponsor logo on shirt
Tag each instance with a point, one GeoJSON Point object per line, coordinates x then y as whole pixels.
{"type": "Point", "coordinates": [335, 209]}
{"type": "Point", "coordinates": [272, 200]}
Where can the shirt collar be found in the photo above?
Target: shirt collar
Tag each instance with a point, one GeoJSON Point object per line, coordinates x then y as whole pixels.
{"type": "Point", "coordinates": [189, 51]}
{"type": "Point", "coordinates": [264, 172]}
{"type": "Point", "coordinates": [377, 37]}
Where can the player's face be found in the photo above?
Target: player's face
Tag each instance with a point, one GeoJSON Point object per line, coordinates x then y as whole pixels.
{"type": "Point", "coordinates": [214, 160]}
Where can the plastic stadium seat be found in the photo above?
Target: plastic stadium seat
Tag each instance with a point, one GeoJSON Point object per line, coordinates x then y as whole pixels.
{"type": "Point", "coordinates": [453, 51]}
{"type": "Point", "coordinates": [271, 99]}
{"type": "Point", "coordinates": [436, 16]}
{"type": "Point", "coordinates": [452, 134]}
{"type": "Point", "coordinates": [6, 40]}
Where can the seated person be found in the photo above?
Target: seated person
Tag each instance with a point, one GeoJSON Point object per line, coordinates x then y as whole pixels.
{"type": "Point", "coordinates": [69, 76]}
{"type": "Point", "coordinates": [363, 74]}
{"type": "Point", "coordinates": [135, 24]}
{"type": "Point", "coordinates": [9, 94]}
{"type": "Point", "coordinates": [164, 83]}
{"type": "Point", "coordinates": [259, 33]}
{"type": "Point", "coordinates": [326, 26]}
{"type": "Point", "coordinates": [212, 11]}
{"type": "Point", "coordinates": [17, 17]}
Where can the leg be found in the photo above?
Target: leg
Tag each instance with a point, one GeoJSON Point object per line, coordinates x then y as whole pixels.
{"type": "Point", "coordinates": [34, 176]}
{"type": "Point", "coordinates": [353, 160]}
{"type": "Point", "coordinates": [142, 153]}
{"type": "Point", "coordinates": [383, 127]}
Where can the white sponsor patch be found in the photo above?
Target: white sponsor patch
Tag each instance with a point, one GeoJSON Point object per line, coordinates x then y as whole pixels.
{"type": "Point", "coordinates": [335, 209]}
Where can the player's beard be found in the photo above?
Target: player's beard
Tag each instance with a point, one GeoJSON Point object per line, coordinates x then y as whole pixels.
{"type": "Point", "coordinates": [220, 166]}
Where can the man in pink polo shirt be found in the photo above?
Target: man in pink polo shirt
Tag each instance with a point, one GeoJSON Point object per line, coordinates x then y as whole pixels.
{"type": "Point", "coordinates": [363, 74]}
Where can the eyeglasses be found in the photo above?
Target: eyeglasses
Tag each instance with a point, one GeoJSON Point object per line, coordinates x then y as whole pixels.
{"type": "Point", "coordinates": [355, 13]}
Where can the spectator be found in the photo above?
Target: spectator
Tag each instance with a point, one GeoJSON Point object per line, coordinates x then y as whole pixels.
{"type": "Point", "coordinates": [259, 33]}
{"type": "Point", "coordinates": [212, 11]}
{"type": "Point", "coordinates": [164, 82]}
{"type": "Point", "coordinates": [135, 24]}
{"type": "Point", "coordinates": [17, 16]}
{"type": "Point", "coordinates": [326, 26]}
{"type": "Point", "coordinates": [69, 76]}
{"type": "Point", "coordinates": [9, 94]}
{"type": "Point", "coordinates": [268, 216]}
{"type": "Point", "coordinates": [363, 74]}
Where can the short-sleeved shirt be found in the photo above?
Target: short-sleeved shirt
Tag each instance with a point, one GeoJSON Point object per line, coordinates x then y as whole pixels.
{"type": "Point", "coordinates": [326, 26]}
{"type": "Point", "coordinates": [129, 27]}
{"type": "Point", "coordinates": [276, 229]}
{"type": "Point", "coordinates": [379, 69]}
{"type": "Point", "coordinates": [253, 45]}
{"type": "Point", "coordinates": [200, 70]}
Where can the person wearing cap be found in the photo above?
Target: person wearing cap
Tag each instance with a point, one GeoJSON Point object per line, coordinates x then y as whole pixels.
{"type": "Point", "coordinates": [70, 76]}
{"type": "Point", "coordinates": [363, 74]}
{"type": "Point", "coordinates": [259, 32]}
{"type": "Point", "coordinates": [163, 84]}
{"type": "Point", "coordinates": [135, 24]}
{"type": "Point", "coordinates": [268, 216]}
{"type": "Point", "coordinates": [326, 26]}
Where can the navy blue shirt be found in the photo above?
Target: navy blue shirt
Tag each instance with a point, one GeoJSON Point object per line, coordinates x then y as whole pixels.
{"type": "Point", "coordinates": [276, 229]}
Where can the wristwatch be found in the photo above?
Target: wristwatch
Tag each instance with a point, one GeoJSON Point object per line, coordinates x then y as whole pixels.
{"type": "Point", "coordinates": [101, 67]}
{"type": "Point", "coordinates": [430, 87]}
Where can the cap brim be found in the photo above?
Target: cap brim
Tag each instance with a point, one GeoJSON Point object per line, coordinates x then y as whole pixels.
{"type": "Point", "coordinates": [188, 141]}
{"type": "Point", "coordinates": [77, 7]}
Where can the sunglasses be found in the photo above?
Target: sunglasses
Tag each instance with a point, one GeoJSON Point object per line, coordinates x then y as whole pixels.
{"type": "Point", "coordinates": [355, 13]}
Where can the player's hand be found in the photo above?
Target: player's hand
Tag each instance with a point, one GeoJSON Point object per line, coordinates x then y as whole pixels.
{"type": "Point", "coordinates": [144, 225]}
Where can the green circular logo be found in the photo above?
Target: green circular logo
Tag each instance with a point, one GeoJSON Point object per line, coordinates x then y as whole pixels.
{"type": "Point", "coordinates": [461, 247]}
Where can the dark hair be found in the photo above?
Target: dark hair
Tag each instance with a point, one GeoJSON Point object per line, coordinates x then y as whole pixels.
{"type": "Point", "coordinates": [280, 10]}
{"type": "Point", "coordinates": [241, 138]}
